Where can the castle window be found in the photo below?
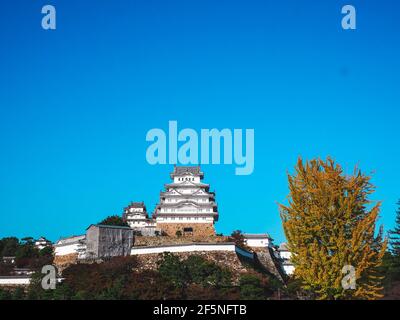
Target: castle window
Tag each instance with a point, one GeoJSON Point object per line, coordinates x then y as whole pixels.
{"type": "Point", "coordinates": [188, 229]}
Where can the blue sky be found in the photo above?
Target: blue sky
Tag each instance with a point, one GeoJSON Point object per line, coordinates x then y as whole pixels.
{"type": "Point", "coordinates": [76, 103]}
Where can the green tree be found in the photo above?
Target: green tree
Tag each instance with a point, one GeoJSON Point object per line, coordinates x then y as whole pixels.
{"type": "Point", "coordinates": [172, 269]}
{"type": "Point", "coordinates": [18, 294]}
{"type": "Point", "coordinates": [330, 223]}
{"type": "Point", "coordinates": [35, 290]}
{"type": "Point", "coordinates": [5, 294]}
{"type": "Point", "coordinates": [390, 268]}
{"type": "Point", "coordinates": [28, 240]}
{"type": "Point", "coordinates": [9, 246]}
{"type": "Point", "coordinates": [238, 237]}
{"type": "Point", "coordinates": [394, 235]}
{"type": "Point", "coordinates": [114, 221]}
{"type": "Point", "coordinates": [26, 254]}
{"type": "Point", "coordinates": [46, 252]}
{"type": "Point", "coordinates": [251, 287]}
{"type": "Point", "coordinates": [206, 273]}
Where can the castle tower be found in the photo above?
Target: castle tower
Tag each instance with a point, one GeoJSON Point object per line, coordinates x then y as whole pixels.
{"type": "Point", "coordinates": [135, 215]}
{"type": "Point", "coordinates": [186, 207]}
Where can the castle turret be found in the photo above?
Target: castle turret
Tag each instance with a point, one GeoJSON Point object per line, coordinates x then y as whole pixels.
{"type": "Point", "coordinates": [135, 214]}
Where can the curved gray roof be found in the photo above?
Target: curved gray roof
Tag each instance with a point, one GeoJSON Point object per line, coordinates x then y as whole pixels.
{"type": "Point", "coordinates": [283, 247]}
{"type": "Point", "coordinates": [181, 170]}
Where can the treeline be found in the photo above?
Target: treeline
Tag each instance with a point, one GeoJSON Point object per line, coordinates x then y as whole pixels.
{"type": "Point", "coordinates": [25, 253]}
{"type": "Point", "coordinates": [122, 278]}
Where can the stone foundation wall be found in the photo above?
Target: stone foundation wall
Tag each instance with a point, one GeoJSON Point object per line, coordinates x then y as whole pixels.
{"type": "Point", "coordinates": [228, 260]}
{"type": "Point", "coordinates": [199, 229]}
{"type": "Point", "coordinates": [62, 262]}
{"type": "Point", "coordinates": [269, 262]}
{"type": "Point", "coordinates": [141, 241]}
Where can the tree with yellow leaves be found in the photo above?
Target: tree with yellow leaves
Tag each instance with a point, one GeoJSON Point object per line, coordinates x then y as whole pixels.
{"type": "Point", "coordinates": [330, 224]}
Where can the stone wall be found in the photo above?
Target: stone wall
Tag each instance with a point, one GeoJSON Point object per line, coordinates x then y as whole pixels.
{"type": "Point", "coordinates": [62, 262]}
{"type": "Point", "coordinates": [160, 241]}
{"type": "Point", "coordinates": [270, 263]}
{"type": "Point", "coordinates": [199, 229]}
{"type": "Point", "coordinates": [229, 260]}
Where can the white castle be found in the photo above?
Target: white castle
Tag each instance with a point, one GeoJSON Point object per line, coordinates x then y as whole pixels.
{"type": "Point", "coordinates": [186, 207]}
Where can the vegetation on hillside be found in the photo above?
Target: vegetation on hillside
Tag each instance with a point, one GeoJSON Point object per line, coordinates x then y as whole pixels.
{"type": "Point", "coordinates": [120, 278]}
{"type": "Point", "coordinates": [25, 253]}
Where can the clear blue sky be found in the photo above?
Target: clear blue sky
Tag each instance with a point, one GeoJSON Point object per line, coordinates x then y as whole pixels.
{"type": "Point", "coordinates": [76, 103]}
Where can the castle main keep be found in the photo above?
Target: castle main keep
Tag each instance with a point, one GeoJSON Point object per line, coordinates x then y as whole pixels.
{"type": "Point", "coordinates": [186, 207]}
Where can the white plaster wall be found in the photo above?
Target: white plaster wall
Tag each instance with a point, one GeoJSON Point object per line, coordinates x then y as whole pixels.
{"type": "Point", "coordinates": [258, 243]}
{"type": "Point", "coordinates": [184, 248]}
{"type": "Point", "coordinates": [180, 179]}
{"type": "Point", "coordinates": [185, 220]}
{"type": "Point", "coordinates": [139, 224]}
{"type": "Point", "coordinates": [200, 200]}
{"type": "Point", "coordinates": [66, 249]}
{"type": "Point", "coordinates": [138, 210]}
{"type": "Point", "coordinates": [289, 270]}
{"type": "Point", "coordinates": [186, 209]}
{"type": "Point", "coordinates": [285, 254]}
{"type": "Point", "coordinates": [184, 190]}
{"type": "Point", "coordinates": [14, 281]}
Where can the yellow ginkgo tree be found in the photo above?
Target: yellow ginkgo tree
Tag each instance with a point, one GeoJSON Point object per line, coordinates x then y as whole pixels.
{"type": "Point", "coordinates": [330, 223]}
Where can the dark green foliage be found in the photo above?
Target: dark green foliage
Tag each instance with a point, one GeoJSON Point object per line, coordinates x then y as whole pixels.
{"type": "Point", "coordinates": [206, 273]}
{"type": "Point", "coordinates": [25, 253]}
{"type": "Point", "coordinates": [114, 221]}
{"type": "Point", "coordinates": [46, 252]}
{"type": "Point", "coordinates": [238, 238]}
{"type": "Point", "coordinates": [390, 268]}
{"type": "Point", "coordinates": [253, 287]}
{"type": "Point", "coordinates": [5, 269]}
{"type": "Point", "coordinates": [394, 236]}
{"type": "Point", "coordinates": [27, 256]}
{"type": "Point", "coordinates": [35, 291]}
{"type": "Point", "coordinates": [294, 290]}
{"type": "Point", "coordinates": [12, 294]}
{"type": "Point", "coordinates": [119, 278]}
{"type": "Point", "coordinates": [172, 269]}
{"type": "Point", "coordinates": [193, 270]}
{"type": "Point", "coordinates": [150, 285]}
{"type": "Point", "coordinates": [9, 246]}
{"type": "Point", "coordinates": [18, 294]}
{"type": "Point", "coordinates": [5, 294]}
{"type": "Point", "coordinates": [28, 240]}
